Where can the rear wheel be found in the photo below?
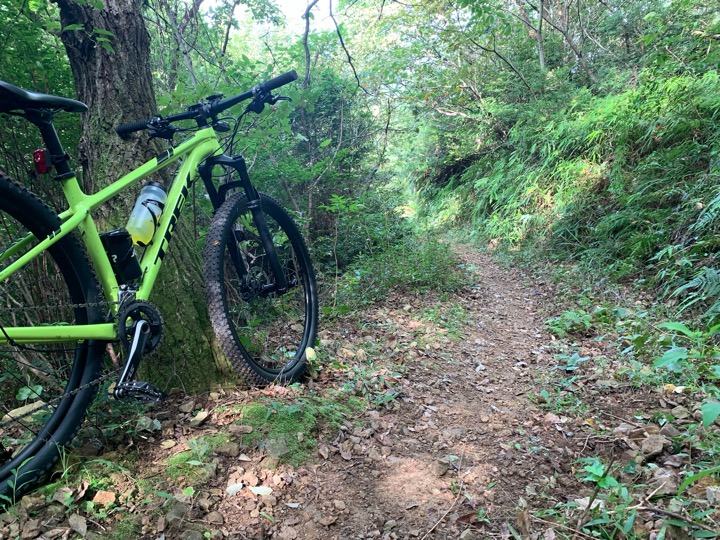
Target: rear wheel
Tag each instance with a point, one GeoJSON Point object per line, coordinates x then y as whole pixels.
{"type": "Point", "coordinates": [46, 387]}
{"type": "Point", "coordinates": [263, 333]}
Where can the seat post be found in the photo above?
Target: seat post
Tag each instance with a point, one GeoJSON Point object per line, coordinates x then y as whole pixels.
{"type": "Point", "coordinates": [43, 119]}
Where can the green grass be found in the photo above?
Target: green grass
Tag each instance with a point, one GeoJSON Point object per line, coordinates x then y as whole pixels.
{"type": "Point", "coordinates": [193, 463]}
{"type": "Point", "coordinates": [282, 422]}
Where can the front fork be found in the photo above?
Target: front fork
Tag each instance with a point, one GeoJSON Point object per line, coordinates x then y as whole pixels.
{"type": "Point", "coordinates": [217, 197]}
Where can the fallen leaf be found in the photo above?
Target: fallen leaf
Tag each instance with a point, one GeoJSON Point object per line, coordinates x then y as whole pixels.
{"type": "Point", "coordinates": [310, 354]}
{"type": "Point", "coordinates": [468, 519]}
{"type": "Point", "coordinates": [167, 444]}
{"type": "Point", "coordinates": [261, 490]}
{"type": "Point", "coordinates": [244, 457]}
{"type": "Point", "coordinates": [78, 524]}
{"type": "Point", "coordinates": [104, 497]}
{"type": "Point", "coordinates": [234, 489]}
{"type": "Point", "coordinates": [82, 489]}
{"type": "Point", "coordinates": [199, 418]}
{"type": "Point", "coordinates": [63, 496]}
{"type": "Point", "coordinates": [324, 451]}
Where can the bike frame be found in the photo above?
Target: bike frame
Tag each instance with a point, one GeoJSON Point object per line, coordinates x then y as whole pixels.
{"type": "Point", "coordinates": [202, 145]}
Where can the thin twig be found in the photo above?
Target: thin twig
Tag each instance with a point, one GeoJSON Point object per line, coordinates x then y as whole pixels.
{"type": "Point", "coordinates": [638, 424]}
{"type": "Point", "coordinates": [342, 42]}
{"type": "Point", "coordinates": [676, 516]}
{"type": "Point", "coordinates": [561, 526]}
{"type": "Point", "coordinates": [457, 498]}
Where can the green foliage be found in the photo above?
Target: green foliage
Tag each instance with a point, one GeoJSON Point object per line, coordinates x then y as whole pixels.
{"type": "Point", "coordinates": [414, 264]}
{"type": "Point", "coordinates": [194, 463]}
{"type": "Point", "coordinates": [597, 473]}
{"type": "Point", "coordinates": [569, 322]}
{"type": "Point", "coordinates": [692, 355]}
{"type": "Point", "coordinates": [293, 424]}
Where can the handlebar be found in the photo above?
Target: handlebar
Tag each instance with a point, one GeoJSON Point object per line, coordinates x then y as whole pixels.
{"type": "Point", "coordinates": [202, 112]}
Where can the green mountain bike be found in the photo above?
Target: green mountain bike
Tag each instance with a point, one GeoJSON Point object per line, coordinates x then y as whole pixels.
{"type": "Point", "coordinates": [66, 290]}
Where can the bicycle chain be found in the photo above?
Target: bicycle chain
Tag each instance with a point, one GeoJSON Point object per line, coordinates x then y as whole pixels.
{"type": "Point", "coordinates": [95, 382]}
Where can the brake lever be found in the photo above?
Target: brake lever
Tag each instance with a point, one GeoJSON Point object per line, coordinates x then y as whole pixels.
{"type": "Point", "coordinates": [272, 100]}
{"type": "Point", "coordinates": [161, 130]}
{"type": "Point", "coordinates": [258, 103]}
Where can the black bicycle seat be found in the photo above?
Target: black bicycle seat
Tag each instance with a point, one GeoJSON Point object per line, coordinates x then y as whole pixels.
{"type": "Point", "coordinates": [13, 98]}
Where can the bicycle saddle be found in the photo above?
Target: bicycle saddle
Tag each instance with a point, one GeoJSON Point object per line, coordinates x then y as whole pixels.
{"type": "Point", "coordinates": [14, 98]}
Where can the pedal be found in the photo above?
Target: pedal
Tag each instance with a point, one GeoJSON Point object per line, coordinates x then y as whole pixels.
{"type": "Point", "coordinates": [126, 388]}
{"type": "Point", "coordinates": [141, 391]}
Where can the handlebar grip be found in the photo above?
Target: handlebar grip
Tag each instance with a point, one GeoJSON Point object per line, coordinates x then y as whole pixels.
{"type": "Point", "coordinates": [126, 129]}
{"type": "Point", "coordinates": [280, 80]}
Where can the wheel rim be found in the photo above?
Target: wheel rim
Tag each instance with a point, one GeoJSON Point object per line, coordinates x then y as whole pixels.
{"type": "Point", "coordinates": [38, 382]}
{"type": "Point", "coordinates": [273, 329]}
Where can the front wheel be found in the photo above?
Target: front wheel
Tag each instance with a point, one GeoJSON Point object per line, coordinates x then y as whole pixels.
{"type": "Point", "coordinates": [263, 332]}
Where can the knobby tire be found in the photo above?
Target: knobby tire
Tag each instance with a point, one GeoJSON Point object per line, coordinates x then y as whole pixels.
{"type": "Point", "coordinates": [264, 335]}
{"type": "Point", "coordinates": [45, 388]}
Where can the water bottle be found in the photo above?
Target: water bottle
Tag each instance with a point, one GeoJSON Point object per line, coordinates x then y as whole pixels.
{"type": "Point", "coordinates": [145, 216]}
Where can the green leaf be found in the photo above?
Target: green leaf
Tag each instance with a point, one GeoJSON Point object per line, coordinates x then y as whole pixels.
{"type": "Point", "coordinates": [73, 27]}
{"type": "Point", "coordinates": [677, 523]}
{"type": "Point", "coordinates": [596, 469]}
{"type": "Point", "coordinates": [704, 534]}
{"type": "Point", "coordinates": [671, 359]}
{"type": "Point", "coordinates": [599, 521]}
{"type": "Point", "coordinates": [679, 327]}
{"type": "Point", "coordinates": [188, 491]}
{"type": "Point", "coordinates": [108, 48]}
{"type": "Point", "coordinates": [28, 391]}
{"type": "Point", "coordinates": [102, 32]}
{"type": "Point", "coordinates": [694, 478]}
{"type": "Point", "coordinates": [325, 143]}
{"type": "Point", "coordinates": [710, 411]}
{"type": "Point", "coordinates": [628, 525]}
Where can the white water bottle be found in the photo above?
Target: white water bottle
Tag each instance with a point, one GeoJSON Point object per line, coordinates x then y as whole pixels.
{"type": "Point", "coordinates": [145, 216]}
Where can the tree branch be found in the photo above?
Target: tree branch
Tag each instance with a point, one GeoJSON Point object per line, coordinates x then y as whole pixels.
{"type": "Point", "coordinates": [306, 16]}
{"type": "Point", "coordinates": [227, 30]}
{"type": "Point", "coordinates": [342, 42]}
{"type": "Point", "coordinates": [506, 61]}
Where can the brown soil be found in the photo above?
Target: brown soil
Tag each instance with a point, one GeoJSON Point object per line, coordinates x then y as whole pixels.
{"type": "Point", "coordinates": [457, 442]}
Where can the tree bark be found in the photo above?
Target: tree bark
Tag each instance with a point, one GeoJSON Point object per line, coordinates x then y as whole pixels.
{"type": "Point", "coordinates": [114, 79]}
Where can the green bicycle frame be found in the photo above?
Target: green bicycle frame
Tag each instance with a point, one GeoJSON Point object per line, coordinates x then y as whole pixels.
{"type": "Point", "coordinates": [203, 144]}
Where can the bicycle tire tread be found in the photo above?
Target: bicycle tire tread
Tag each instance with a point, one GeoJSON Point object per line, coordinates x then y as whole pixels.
{"type": "Point", "coordinates": [75, 260]}
{"type": "Point", "coordinates": [215, 295]}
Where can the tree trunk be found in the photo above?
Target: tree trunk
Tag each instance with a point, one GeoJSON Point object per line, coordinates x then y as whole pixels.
{"type": "Point", "coordinates": [114, 79]}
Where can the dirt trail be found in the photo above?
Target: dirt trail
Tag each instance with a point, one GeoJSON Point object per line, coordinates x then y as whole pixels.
{"type": "Point", "coordinates": [460, 436]}
{"type": "Point", "coordinates": [464, 435]}
{"type": "Point", "coordinates": [453, 447]}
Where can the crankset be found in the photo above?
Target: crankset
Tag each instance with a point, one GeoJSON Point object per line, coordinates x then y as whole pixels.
{"type": "Point", "coordinates": [140, 332]}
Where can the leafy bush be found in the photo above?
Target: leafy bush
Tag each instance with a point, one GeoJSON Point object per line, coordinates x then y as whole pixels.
{"type": "Point", "coordinates": [415, 264]}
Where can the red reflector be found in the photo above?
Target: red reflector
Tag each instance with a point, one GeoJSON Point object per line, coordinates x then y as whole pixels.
{"type": "Point", "coordinates": [43, 163]}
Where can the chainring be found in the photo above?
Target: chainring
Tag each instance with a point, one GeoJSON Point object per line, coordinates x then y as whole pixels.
{"type": "Point", "coordinates": [130, 314]}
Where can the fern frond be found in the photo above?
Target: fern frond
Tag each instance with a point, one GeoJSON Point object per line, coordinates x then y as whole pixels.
{"type": "Point", "coordinates": [704, 286]}
{"type": "Point", "coordinates": [708, 214]}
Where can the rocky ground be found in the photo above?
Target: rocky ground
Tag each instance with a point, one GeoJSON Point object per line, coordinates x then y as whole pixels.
{"type": "Point", "coordinates": [429, 417]}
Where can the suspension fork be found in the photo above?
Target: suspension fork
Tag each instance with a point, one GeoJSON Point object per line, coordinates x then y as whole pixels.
{"type": "Point", "coordinates": [217, 197]}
